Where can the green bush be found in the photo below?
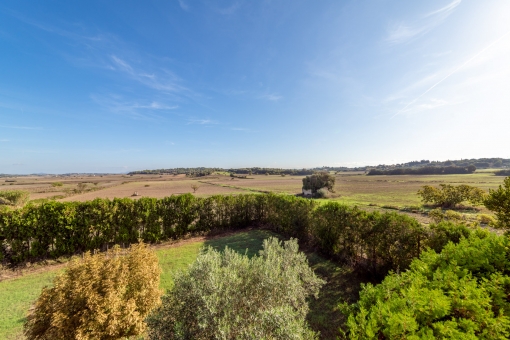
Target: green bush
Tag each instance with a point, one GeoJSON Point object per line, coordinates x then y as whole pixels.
{"type": "Point", "coordinates": [226, 295]}
{"type": "Point", "coordinates": [373, 241]}
{"type": "Point", "coordinates": [499, 201]}
{"type": "Point", "coordinates": [57, 184]}
{"type": "Point", "coordinates": [461, 293]}
{"type": "Point", "coordinates": [445, 232]}
{"type": "Point", "coordinates": [449, 196]}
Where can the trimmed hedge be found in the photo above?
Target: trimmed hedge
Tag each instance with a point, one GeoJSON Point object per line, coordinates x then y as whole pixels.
{"type": "Point", "coordinates": [372, 241]}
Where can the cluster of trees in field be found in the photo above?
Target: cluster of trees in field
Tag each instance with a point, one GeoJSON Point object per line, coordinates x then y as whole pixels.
{"type": "Point", "coordinates": [476, 162]}
{"type": "Point", "coordinates": [410, 168]}
{"type": "Point", "coordinates": [426, 170]}
{"type": "Point", "coordinates": [502, 173]}
{"type": "Point", "coordinates": [190, 172]}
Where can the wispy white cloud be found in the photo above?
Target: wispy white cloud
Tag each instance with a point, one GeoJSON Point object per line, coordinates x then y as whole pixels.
{"type": "Point", "coordinates": [403, 32]}
{"type": "Point", "coordinates": [452, 72]}
{"type": "Point", "coordinates": [21, 127]}
{"type": "Point", "coordinates": [272, 97]}
{"type": "Point", "coordinates": [230, 9]}
{"type": "Point", "coordinates": [184, 5]}
{"type": "Point", "coordinates": [446, 9]}
{"type": "Point", "coordinates": [145, 111]}
{"type": "Point", "coordinates": [192, 121]}
{"type": "Point", "coordinates": [165, 81]}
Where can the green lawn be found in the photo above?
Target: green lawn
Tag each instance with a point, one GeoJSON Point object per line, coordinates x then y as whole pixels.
{"type": "Point", "coordinates": [17, 295]}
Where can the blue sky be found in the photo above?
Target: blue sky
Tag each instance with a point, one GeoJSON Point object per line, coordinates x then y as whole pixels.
{"type": "Point", "coordinates": [114, 86]}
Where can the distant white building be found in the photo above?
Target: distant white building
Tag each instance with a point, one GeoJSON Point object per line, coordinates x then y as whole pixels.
{"type": "Point", "coordinates": [307, 192]}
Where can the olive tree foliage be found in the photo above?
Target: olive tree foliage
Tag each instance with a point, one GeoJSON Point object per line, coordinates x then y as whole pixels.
{"type": "Point", "coordinates": [226, 295]}
{"type": "Point", "coordinates": [318, 181]}
{"type": "Point", "coordinates": [104, 296]}
{"type": "Point", "coordinates": [499, 201]}
{"type": "Point", "coordinates": [449, 196]}
{"type": "Point", "coordinates": [461, 293]}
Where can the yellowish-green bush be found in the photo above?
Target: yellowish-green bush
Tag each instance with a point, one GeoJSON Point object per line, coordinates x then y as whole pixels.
{"type": "Point", "coordinates": [57, 184]}
{"type": "Point", "coordinates": [16, 198]}
{"type": "Point", "coordinates": [486, 219]}
{"type": "Point", "coordinates": [105, 296]}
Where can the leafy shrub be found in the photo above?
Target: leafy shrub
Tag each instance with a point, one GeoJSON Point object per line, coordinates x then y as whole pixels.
{"type": "Point", "coordinates": [460, 293]}
{"type": "Point", "coordinates": [16, 198]}
{"type": "Point", "coordinates": [499, 201]}
{"type": "Point", "coordinates": [103, 296]}
{"type": "Point", "coordinates": [449, 196]}
{"type": "Point", "coordinates": [445, 232]}
{"type": "Point", "coordinates": [322, 193]}
{"type": "Point", "coordinates": [438, 215]}
{"type": "Point", "coordinates": [225, 295]}
{"type": "Point", "coordinates": [57, 184]}
{"type": "Point", "coordinates": [374, 242]}
{"type": "Point", "coordinates": [486, 219]}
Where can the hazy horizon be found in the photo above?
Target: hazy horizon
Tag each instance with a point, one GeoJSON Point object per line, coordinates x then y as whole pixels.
{"type": "Point", "coordinates": [116, 87]}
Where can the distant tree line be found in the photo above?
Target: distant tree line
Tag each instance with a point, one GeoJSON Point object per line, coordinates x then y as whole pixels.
{"type": "Point", "coordinates": [502, 173]}
{"type": "Point", "coordinates": [428, 170]}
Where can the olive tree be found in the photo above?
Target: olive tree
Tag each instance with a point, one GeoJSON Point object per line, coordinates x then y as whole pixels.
{"type": "Point", "coordinates": [318, 181]}
{"type": "Point", "coordinates": [227, 295]}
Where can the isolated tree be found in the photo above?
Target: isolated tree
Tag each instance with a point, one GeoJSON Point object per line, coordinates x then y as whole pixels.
{"type": "Point", "coordinates": [226, 295]}
{"type": "Point", "coordinates": [318, 181]}
{"type": "Point", "coordinates": [105, 296]}
{"type": "Point", "coordinates": [499, 201]}
{"type": "Point", "coordinates": [195, 187]}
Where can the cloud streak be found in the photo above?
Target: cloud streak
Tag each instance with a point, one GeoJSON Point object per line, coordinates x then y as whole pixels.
{"type": "Point", "coordinates": [451, 73]}
{"type": "Point", "coordinates": [201, 122]}
{"type": "Point", "coordinates": [404, 32]}
{"type": "Point", "coordinates": [21, 127]}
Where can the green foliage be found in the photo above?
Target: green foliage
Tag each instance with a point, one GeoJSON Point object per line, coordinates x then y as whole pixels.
{"type": "Point", "coordinates": [438, 215]}
{"type": "Point", "coordinates": [499, 201]}
{"type": "Point", "coordinates": [225, 295]}
{"type": "Point", "coordinates": [373, 241]}
{"type": "Point", "coordinates": [445, 232]}
{"type": "Point", "coordinates": [16, 198]}
{"type": "Point", "coordinates": [104, 296]}
{"type": "Point", "coordinates": [449, 196]}
{"type": "Point", "coordinates": [449, 169]}
{"type": "Point", "coordinates": [57, 184]}
{"type": "Point", "coordinates": [461, 293]}
{"type": "Point", "coordinates": [318, 181]}
{"type": "Point", "coordinates": [321, 193]}
{"type": "Point", "coordinates": [486, 219]}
